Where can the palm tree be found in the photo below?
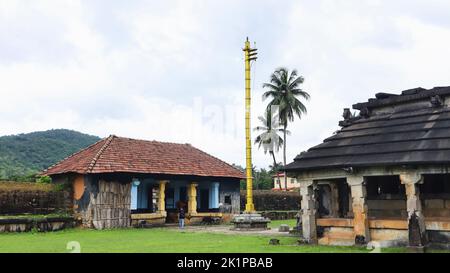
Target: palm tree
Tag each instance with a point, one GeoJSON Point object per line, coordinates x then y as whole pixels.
{"type": "Point", "coordinates": [269, 138]}
{"type": "Point", "coordinates": [285, 92]}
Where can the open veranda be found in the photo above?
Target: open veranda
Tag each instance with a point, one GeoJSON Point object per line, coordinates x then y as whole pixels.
{"type": "Point", "coordinates": [164, 240]}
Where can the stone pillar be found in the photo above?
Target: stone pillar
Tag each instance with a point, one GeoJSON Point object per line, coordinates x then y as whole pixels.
{"type": "Point", "coordinates": [214, 195]}
{"type": "Point", "coordinates": [360, 209]}
{"type": "Point", "coordinates": [416, 220]}
{"type": "Point", "coordinates": [309, 210]}
{"type": "Point", "coordinates": [192, 196]}
{"type": "Point", "coordinates": [162, 198]}
{"type": "Point", "coordinates": [334, 208]}
{"type": "Point", "coordinates": [134, 193]}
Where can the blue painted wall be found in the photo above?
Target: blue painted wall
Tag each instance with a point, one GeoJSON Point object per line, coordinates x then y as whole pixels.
{"type": "Point", "coordinates": [139, 194]}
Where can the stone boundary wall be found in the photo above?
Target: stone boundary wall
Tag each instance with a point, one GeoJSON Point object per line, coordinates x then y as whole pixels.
{"type": "Point", "coordinates": [267, 200]}
{"type": "Point", "coordinates": [105, 204]}
{"type": "Point", "coordinates": [41, 225]}
{"type": "Point", "coordinates": [280, 215]}
{"type": "Point", "coordinates": [28, 198]}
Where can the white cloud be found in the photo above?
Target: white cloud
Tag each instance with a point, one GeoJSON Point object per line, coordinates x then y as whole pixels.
{"type": "Point", "coordinates": [173, 70]}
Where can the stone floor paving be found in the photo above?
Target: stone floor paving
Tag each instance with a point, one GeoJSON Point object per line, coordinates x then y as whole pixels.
{"type": "Point", "coordinates": [226, 229]}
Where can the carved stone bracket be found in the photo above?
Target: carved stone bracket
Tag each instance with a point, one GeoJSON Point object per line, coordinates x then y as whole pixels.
{"type": "Point", "coordinates": [436, 101]}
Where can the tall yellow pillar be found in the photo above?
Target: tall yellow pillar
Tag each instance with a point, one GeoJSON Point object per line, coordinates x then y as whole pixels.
{"type": "Point", "coordinates": [162, 197]}
{"type": "Point", "coordinates": [250, 55]}
{"type": "Point", "coordinates": [192, 202]}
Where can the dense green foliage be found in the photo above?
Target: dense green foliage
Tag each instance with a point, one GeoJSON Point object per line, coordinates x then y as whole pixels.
{"type": "Point", "coordinates": [44, 180]}
{"type": "Point", "coordinates": [262, 178]}
{"type": "Point", "coordinates": [24, 155]}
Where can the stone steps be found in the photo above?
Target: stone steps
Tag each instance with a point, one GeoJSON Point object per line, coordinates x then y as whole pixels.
{"type": "Point", "coordinates": [336, 241]}
{"type": "Point", "coordinates": [344, 237]}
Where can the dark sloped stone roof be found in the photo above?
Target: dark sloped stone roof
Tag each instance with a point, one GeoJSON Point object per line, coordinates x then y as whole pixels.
{"type": "Point", "coordinates": [406, 96]}
{"type": "Point", "coordinates": [414, 137]}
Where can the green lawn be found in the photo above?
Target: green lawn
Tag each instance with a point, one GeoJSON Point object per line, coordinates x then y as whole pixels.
{"type": "Point", "coordinates": [158, 240]}
{"type": "Point", "coordinates": [276, 223]}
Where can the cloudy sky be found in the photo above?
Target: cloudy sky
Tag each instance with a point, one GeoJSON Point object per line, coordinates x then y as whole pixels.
{"type": "Point", "coordinates": [173, 70]}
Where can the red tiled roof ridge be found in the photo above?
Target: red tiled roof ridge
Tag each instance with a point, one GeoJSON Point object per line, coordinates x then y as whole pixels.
{"type": "Point", "coordinates": [155, 141]}
{"type": "Point", "coordinates": [112, 154]}
{"type": "Point", "coordinates": [99, 153]}
{"type": "Point", "coordinates": [72, 155]}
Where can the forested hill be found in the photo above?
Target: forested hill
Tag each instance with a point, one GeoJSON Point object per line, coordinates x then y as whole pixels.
{"type": "Point", "coordinates": [26, 154]}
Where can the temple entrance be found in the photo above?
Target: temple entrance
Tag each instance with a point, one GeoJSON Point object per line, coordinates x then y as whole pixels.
{"type": "Point", "coordinates": [324, 200]}
{"type": "Point", "coordinates": [435, 194]}
{"type": "Point", "coordinates": [150, 200]}
{"type": "Point", "coordinates": [345, 201]}
{"type": "Point", "coordinates": [386, 197]}
{"type": "Point", "coordinates": [183, 197]}
{"type": "Point", "coordinates": [204, 200]}
{"type": "Point", "coordinates": [333, 198]}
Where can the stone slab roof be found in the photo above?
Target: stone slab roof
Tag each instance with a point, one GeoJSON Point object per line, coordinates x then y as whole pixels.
{"type": "Point", "coordinates": [125, 155]}
{"type": "Point", "coordinates": [415, 135]}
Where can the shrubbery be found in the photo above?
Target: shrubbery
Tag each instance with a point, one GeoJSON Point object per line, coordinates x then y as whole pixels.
{"type": "Point", "coordinates": [44, 180]}
{"type": "Point", "coordinates": [267, 200]}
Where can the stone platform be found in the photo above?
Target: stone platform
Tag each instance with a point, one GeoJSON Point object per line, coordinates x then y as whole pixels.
{"type": "Point", "coordinates": [249, 221]}
{"type": "Point", "coordinates": [42, 224]}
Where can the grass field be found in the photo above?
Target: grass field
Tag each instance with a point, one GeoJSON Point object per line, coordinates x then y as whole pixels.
{"type": "Point", "coordinates": [159, 240]}
{"type": "Point", "coordinates": [276, 223]}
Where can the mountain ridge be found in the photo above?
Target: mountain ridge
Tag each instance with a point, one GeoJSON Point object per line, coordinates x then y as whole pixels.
{"type": "Point", "coordinates": [24, 155]}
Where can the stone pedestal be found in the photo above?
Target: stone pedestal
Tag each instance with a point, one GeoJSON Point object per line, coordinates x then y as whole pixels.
{"type": "Point", "coordinates": [249, 221]}
{"type": "Point", "coordinates": [283, 228]}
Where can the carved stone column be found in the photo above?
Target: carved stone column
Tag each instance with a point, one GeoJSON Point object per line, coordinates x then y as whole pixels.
{"type": "Point", "coordinates": [192, 201]}
{"type": "Point", "coordinates": [416, 220]}
{"type": "Point", "coordinates": [360, 209]}
{"type": "Point", "coordinates": [308, 206]}
{"type": "Point", "coordinates": [162, 198]}
{"type": "Point", "coordinates": [334, 211]}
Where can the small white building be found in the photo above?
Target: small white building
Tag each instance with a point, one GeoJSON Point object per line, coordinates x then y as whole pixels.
{"type": "Point", "coordinates": [278, 183]}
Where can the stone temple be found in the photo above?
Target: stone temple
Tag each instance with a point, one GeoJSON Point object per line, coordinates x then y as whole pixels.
{"type": "Point", "coordinates": [383, 177]}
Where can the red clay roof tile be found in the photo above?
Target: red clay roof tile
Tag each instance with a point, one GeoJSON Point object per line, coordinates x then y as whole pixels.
{"type": "Point", "coordinates": [117, 154]}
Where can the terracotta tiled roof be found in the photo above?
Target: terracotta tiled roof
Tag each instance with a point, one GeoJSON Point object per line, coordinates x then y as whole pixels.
{"type": "Point", "coordinates": [125, 155]}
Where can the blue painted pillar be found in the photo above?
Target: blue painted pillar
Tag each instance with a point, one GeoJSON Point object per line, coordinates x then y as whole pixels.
{"type": "Point", "coordinates": [214, 195]}
{"type": "Point", "coordinates": [134, 193]}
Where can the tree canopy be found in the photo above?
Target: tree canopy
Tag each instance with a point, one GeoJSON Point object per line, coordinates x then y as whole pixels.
{"type": "Point", "coordinates": [24, 155]}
